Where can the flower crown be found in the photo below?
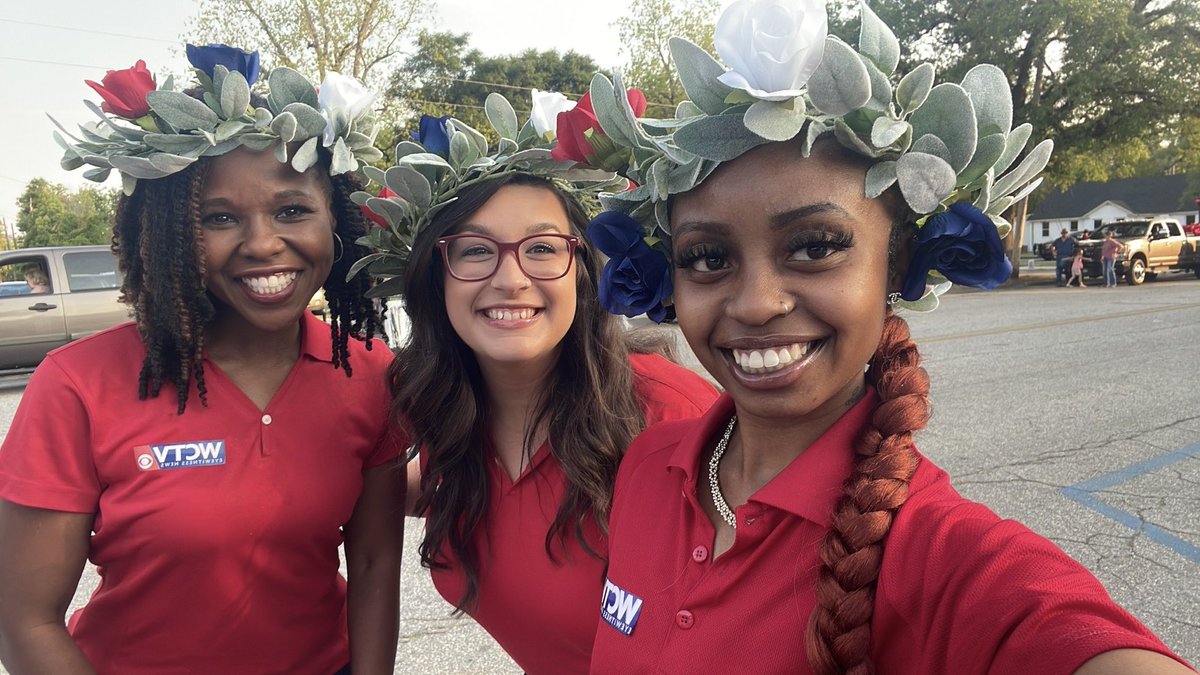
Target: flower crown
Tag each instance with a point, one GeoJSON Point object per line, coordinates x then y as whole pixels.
{"type": "Point", "coordinates": [173, 129]}
{"type": "Point", "coordinates": [447, 155]}
{"type": "Point", "coordinates": [947, 147]}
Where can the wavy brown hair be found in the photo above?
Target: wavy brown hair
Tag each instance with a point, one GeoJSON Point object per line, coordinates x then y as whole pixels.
{"type": "Point", "coordinates": [160, 250]}
{"type": "Point", "coordinates": [589, 406]}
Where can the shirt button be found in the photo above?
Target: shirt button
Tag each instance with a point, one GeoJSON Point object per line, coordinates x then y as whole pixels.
{"type": "Point", "coordinates": [266, 419]}
{"type": "Point", "coordinates": [684, 619]}
{"type": "Point", "coordinates": [700, 554]}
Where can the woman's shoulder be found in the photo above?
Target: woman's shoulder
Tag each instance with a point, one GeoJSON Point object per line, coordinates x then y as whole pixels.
{"type": "Point", "coordinates": [114, 346]}
{"type": "Point", "coordinates": [669, 391]}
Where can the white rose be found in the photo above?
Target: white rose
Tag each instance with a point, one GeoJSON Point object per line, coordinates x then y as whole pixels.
{"type": "Point", "coordinates": [345, 93]}
{"type": "Point", "coordinates": [546, 106]}
{"type": "Point", "coordinates": [771, 46]}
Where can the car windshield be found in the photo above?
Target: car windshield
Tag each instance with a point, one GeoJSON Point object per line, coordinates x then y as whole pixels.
{"type": "Point", "coordinates": [1135, 228]}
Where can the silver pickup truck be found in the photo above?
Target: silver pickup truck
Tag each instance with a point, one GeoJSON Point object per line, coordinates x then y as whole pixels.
{"type": "Point", "coordinates": [50, 296]}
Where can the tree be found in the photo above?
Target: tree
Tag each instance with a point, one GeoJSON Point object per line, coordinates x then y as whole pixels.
{"type": "Point", "coordinates": [445, 76]}
{"type": "Point", "coordinates": [351, 37]}
{"type": "Point", "coordinates": [50, 215]}
{"type": "Point", "coordinates": [1101, 77]}
{"type": "Point", "coordinates": [645, 33]}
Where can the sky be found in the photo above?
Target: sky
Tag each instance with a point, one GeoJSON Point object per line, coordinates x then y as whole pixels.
{"type": "Point", "coordinates": [49, 47]}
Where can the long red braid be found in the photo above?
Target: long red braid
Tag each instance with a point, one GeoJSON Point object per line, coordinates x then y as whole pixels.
{"type": "Point", "coordinates": [838, 637]}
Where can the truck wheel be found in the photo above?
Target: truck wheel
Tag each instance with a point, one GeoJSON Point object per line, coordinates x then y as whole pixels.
{"type": "Point", "coordinates": [1137, 272]}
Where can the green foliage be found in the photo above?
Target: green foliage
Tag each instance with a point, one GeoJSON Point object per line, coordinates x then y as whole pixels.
{"type": "Point", "coordinates": [51, 215]}
{"type": "Point", "coordinates": [445, 76]}
{"type": "Point", "coordinates": [351, 37]}
{"type": "Point", "coordinates": [645, 32]}
{"type": "Point", "coordinates": [1109, 80]}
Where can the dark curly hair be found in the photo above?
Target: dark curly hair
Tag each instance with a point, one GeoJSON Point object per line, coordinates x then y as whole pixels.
{"type": "Point", "coordinates": [160, 251]}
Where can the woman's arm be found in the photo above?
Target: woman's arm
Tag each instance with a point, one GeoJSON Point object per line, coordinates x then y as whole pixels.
{"type": "Point", "coordinates": [1123, 661]}
{"type": "Point", "coordinates": [374, 541]}
{"type": "Point", "coordinates": [414, 489]}
{"type": "Point", "coordinates": [41, 559]}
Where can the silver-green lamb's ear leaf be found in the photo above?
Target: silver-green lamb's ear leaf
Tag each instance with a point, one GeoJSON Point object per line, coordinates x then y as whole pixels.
{"type": "Point", "coordinates": [1028, 189]}
{"type": "Point", "coordinates": [1029, 168]}
{"type": "Point", "coordinates": [621, 129]}
{"type": "Point", "coordinates": [949, 115]}
{"type": "Point", "coordinates": [228, 129]}
{"type": "Point", "coordinates": [881, 87]}
{"type": "Point", "coordinates": [98, 174]}
{"type": "Point", "coordinates": [1013, 146]}
{"type": "Point", "coordinates": [988, 88]}
{"type": "Point", "coordinates": [288, 86]}
{"type": "Point", "coordinates": [925, 180]}
{"type": "Point", "coordinates": [235, 96]}
{"type": "Point", "coordinates": [477, 139]}
{"type": "Point", "coordinates": [687, 109]}
{"type": "Point", "coordinates": [849, 138]}
{"type": "Point", "coordinates": [182, 111]}
{"type": "Point", "coordinates": [841, 83]}
{"type": "Point", "coordinates": [887, 131]}
{"type": "Point", "coordinates": [719, 138]}
{"type": "Point", "coordinates": [914, 88]}
{"type": "Point", "coordinates": [876, 41]}
{"type": "Point", "coordinates": [932, 145]}
{"type": "Point", "coordinates": [368, 154]}
{"type": "Point", "coordinates": [410, 184]}
{"type": "Point", "coordinates": [987, 151]}
{"type": "Point", "coordinates": [927, 303]}
{"type": "Point", "coordinates": [176, 144]}
{"type": "Point", "coordinates": [309, 121]}
{"type": "Point", "coordinates": [985, 190]}
{"type": "Point", "coordinates": [128, 184]}
{"type": "Point", "coordinates": [880, 177]}
{"type": "Point", "coordinates": [776, 120]}
{"type": "Point", "coordinates": [394, 212]}
{"type": "Point", "coordinates": [343, 160]}
{"type": "Point", "coordinates": [461, 154]}
{"type": "Point", "coordinates": [284, 125]}
{"type": "Point", "coordinates": [814, 131]}
{"type": "Point", "coordinates": [1003, 227]}
{"type": "Point", "coordinates": [306, 155]}
{"type": "Point", "coordinates": [997, 207]}
{"type": "Point", "coordinates": [698, 72]}
{"type": "Point", "coordinates": [404, 148]}
{"type": "Point", "coordinates": [501, 115]}
{"type": "Point", "coordinates": [262, 118]}
{"type": "Point", "coordinates": [373, 174]}
{"type": "Point", "coordinates": [138, 167]}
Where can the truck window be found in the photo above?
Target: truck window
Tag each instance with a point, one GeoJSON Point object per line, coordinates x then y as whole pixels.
{"type": "Point", "coordinates": [91, 270]}
{"type": "Point", "coordinates": [25, 276]}
{"type": "Point", "coordinates": [1173, 229]}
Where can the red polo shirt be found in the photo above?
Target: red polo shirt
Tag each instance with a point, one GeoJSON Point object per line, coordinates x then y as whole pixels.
{"type": "Point", "coordinates": [543, 611]}
{"type": "Point", "coordinates": [217, 531]}
{"type": "Point", "coordinates": [960, 590]}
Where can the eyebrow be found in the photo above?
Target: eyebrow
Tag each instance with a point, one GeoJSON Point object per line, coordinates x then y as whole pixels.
{"type": "Point", "coordinates": [778, 221]}
{"type": "Point", "coordinates": [282, 195]}
{"type": "Point", "coordinates": [532, 229]}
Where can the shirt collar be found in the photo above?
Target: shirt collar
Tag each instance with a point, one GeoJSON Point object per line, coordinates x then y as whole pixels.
{"type": "Point", "coordinates": [315, 338]}
{"type": "Point", "coordinates": [810, 486]}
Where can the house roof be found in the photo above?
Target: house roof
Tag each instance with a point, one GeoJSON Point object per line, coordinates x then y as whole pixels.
{"type": "Point", "coordinates": [1147, 195]}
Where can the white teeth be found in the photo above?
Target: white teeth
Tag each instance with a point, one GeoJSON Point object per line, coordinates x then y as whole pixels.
{"type": "Point", "coordinates": [270, 285]}
{"type": "Point", "coordinates": [759, 361]}
{"type": "Point", "coordinates": [510, 314]}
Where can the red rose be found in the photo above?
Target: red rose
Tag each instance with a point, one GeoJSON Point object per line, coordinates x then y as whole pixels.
{"type": "Point", "coordinates": [575, 144]}
{"type": "Point", "coordinates": [375, 217]}
{"type": "Point", "coordinates": [124, 91]}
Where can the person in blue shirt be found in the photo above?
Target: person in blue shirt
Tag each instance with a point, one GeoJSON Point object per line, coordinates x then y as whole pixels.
{"type": "Point", "coordinates": [1064, 251]}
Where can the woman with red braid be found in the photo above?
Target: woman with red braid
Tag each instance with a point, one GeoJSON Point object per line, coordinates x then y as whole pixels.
{"type": "Point", "coordinates": [795, 527]}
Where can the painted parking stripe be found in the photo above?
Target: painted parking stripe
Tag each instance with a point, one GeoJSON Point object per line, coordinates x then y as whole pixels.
{"type": "Point", "coordinates": [1084, 493]}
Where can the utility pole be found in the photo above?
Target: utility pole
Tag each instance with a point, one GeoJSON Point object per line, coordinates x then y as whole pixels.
{"type": "Point", "coordinates": [1017, 235]}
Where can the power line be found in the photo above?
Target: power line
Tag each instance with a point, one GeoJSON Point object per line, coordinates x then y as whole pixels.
{"type": "Point", "coordinates": [49, 63]}
{"type": "Point", "coordinates": [88, 30]}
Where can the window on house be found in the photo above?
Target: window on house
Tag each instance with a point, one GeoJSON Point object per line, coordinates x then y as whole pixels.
{"type": "Point", "coordinates": [1045, 229]}
{"type": "Point", "coordinates": [1097, 222]}
{"type": "Point", "coordinates": [1074, 225]}
{"type": "Point", "coordinates": [1191, 219]}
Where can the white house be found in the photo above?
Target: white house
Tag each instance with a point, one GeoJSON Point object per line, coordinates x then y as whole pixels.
{"type": "Point", "coordinates": [1085, 206]}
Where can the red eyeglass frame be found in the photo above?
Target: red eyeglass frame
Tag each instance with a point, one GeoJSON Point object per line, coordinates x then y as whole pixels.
{"type": "Point", "coordinates": [574, 244]}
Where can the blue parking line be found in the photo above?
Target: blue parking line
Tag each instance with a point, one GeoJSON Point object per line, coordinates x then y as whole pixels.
{"type": "Point", "coordinates": [1084, 494]}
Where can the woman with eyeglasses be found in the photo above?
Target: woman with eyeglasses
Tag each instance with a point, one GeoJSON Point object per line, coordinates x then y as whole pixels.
{"type": "Point", "coordinates": [521, 394]}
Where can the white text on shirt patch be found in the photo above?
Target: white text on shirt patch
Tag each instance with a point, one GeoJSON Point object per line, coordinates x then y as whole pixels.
{"type": "Point", "coordinates": [620, 608]}
{"type": "Point", "coordinates": [179, 455]}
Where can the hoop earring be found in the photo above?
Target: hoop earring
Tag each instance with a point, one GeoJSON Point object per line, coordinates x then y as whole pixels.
{"type": "Point", "coordinates": [337, 244]}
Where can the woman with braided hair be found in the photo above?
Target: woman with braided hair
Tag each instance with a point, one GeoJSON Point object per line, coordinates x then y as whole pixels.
{"type": "Point", "coordinates": [211, 456]}
{"type": "Point", "coordinates": [795, 527]}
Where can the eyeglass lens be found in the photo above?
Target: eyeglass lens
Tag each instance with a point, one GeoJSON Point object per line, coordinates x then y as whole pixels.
{"type": "Point", "coordinates": [542, 257]}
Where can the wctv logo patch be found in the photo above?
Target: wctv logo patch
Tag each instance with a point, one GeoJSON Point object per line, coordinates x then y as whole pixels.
{"type": "Point", "coordinates": [620, 608]}
{"type": "Point", "coordinates": [179, 455]}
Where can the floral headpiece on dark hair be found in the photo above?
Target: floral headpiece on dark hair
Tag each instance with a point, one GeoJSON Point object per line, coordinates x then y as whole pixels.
{"type": "Point", "coordinates": [948, 148]}
{"type": "Point", "coordinates": [147, 132]}
{"type": "Point", "coordinates": [447, 155]}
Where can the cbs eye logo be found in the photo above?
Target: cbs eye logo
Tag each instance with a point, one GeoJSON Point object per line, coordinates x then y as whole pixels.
{"type": "Point", "coordinates": [145, 461]}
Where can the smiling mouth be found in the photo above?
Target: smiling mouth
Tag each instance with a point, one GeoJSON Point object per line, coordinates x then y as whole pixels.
{"type": "Point", "coordinates": [272, 284]}
{"type": "Point", "coordinates": [770, 360]}
{"type": "Point", "coordinates": [500, 314]}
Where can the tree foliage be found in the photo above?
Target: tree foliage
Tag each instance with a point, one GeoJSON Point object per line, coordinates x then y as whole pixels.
{"type": "Point", "coordinates": [446, 76]}
{"type": "Point", "coordinates": [1109, 80]}
{"type": "Point", "coordinates": [51, 215]}
{"type": "Point", "coordinates": [644, 36]}
{"type": "Point", "coordinates": [351, 37]}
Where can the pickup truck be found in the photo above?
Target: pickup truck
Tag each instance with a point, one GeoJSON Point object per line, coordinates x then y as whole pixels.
{"type": "Point", "coordinates": [1152, 246]}
{"type": "Point", "coordinates": [51, 296]}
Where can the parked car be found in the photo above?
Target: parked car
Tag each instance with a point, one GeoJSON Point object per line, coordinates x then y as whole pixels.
{"type": "Point", "coordinates": [1046, 249]}
{"type": "Point", "coordinates": [51, 296]}
{"type": "Point", "coordinates": [1152, 246]}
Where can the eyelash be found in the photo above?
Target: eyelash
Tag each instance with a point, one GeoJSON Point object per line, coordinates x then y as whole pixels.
{"type": "Point", "coordinates": [299, 210]}
{"type": "Point", "coordinates": [698, 252]}
{"type": "Point", "coordinates": [831, 241]}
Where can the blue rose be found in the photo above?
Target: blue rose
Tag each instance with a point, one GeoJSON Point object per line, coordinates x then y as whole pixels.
{"type": "Point", "coordinates": [637, 279]}
{"type": "Point", "coordinates": [207, 58]}
{"type": "Point", "coordinates": [434, 134]}
{"type": "Point", "coordinates": [963, 245]}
